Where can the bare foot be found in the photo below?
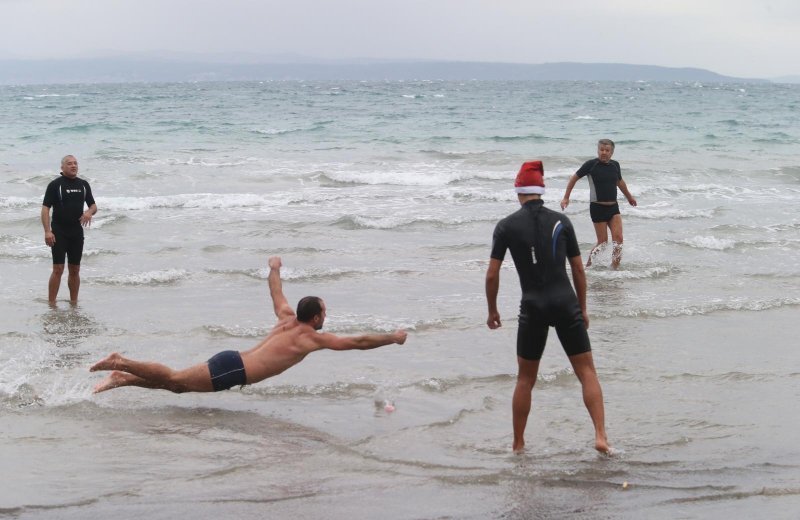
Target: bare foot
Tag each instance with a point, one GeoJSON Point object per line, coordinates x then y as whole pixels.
{"type": "Point", "coordinates": [601, 445]}
{"type": "Point", "coordinates": [518, 447]}
{"type": "Point", "coordinates": [109, 363]}
{"type": "Point", "coordinates": [115, 379]}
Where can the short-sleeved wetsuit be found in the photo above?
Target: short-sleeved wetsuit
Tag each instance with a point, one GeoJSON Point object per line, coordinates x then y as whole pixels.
{"type": "Point", "coordinates": [603, 179]}
{"type": "Point", "coordinates": [540, 241]}
{"type": "Point", "coordinates": [67, 197]}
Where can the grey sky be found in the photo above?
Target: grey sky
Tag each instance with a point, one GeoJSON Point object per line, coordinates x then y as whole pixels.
{"type": "Point", "coordinates": [747, 38]}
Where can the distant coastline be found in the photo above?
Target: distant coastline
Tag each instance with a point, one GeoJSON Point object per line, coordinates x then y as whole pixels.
{"type": "Point", "coordinates": [127, 69]}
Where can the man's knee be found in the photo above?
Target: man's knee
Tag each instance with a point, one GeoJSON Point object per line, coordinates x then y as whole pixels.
{"type": "Point", "coordinates": [527, 372]}
{"type": "Point", "coordinates": [525, 384]}
{"type": "Point", "coordinates": [73, 269]}
{"type": "Point", "coordinates": [58, 269]}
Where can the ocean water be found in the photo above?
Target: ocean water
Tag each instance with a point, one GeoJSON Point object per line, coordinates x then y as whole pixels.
{"type": "Point", "coordinates": [381, 197]}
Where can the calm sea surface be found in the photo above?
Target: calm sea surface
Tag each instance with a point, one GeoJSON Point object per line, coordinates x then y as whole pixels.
{"type": "Point", "coordinates": [381, 198]}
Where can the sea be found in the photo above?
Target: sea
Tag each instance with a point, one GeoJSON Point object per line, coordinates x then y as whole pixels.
{"type": "Point", "coordinates": [381, 198]}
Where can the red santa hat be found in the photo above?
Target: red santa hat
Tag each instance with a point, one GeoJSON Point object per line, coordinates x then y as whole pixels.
{"type": "Point", "coordinates": [530, 179]}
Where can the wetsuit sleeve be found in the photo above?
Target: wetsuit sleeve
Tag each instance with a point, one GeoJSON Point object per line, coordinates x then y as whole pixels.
{"type": "Point", "coordinates": [89, 197]}
{"type": "Point", "coordinates": [50, 195]}
{"type": "Point", "coordinates": [573, 249]}
{"type": "Point", "coordinates": [584, 170]}
{"type": "Point", "coordinates": [499, 244]}
{"type": "Point", "coordinates": [619, 171]}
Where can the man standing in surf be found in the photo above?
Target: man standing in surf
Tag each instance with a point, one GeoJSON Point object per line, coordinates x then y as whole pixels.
{"type": "Point", "coordinates": [541, 241]}
{"type": "Point", "coordinates": [293, 337]}
{"type": "Point", "coordinates": [63, 233]}
{"type": "Point", "coordinates": [605, 176]}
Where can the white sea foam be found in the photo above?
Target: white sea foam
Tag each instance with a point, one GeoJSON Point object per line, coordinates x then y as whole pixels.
{"type": "Point", "coordinates": [195, 200]}
{"type": "Point", "coordinates": [105, 220]}
{"type": "Point", "coordinates": [167, 276]}
{"type": "Point", "coordinates": [649, 213]}
{"type": "Point", "coordinates": [294, 274]}
{"type": "Point", "coordinates": [717, 305]}
{"type": "Point", "coordinates": [414, 175]}
{"type": "Point", "coordinates": [17, 202]}
{"type": "Point", "coordinates": [633, 273]}
{"type": "Point", "coordinates": [708, 242]}
{"type": "Point", "coordinates": [30, 376]}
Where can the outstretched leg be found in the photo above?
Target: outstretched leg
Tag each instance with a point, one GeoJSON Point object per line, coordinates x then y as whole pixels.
{"type": "Point", "coordinates": [154, 375]}
{"type": "Point", "coordinates": [583, 365]}
{"type": "Point", "coordinates": [521, 402]}
{"type": "Point", "coordinates": [117, 379]}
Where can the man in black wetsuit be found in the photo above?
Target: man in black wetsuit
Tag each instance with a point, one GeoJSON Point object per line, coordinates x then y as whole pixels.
{"type": "Point", "coordinates": [541, 241]}
{"type": "Point", "coordinates": [67, 195]}
{"type": "Point", "coordinates": [605, 176]}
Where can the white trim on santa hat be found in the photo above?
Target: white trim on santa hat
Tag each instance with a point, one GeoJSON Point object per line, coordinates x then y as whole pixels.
{"type": "Point", "coordinates": [530, 190]}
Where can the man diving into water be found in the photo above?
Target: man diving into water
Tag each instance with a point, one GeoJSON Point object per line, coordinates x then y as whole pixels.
{"type": "Point", "coordinates": [293, 337]}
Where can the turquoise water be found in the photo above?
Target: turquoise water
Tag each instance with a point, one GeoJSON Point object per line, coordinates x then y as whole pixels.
{"type": "Point", "coordinates": [381, 197]}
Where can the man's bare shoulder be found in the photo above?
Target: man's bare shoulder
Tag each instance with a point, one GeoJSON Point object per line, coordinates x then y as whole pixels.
{"type": "Point", "coordinates": [290, 332]}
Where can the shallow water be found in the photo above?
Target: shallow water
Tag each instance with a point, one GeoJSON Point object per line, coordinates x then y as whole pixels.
{"type": "Point", "coordinates": [381, 198]}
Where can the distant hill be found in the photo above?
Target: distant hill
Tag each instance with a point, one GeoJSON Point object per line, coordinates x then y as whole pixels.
{"type": "Point", "coordinates": [122, 70]}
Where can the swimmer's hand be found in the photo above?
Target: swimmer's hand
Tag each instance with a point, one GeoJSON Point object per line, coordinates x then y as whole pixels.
{"type": "Point", "coordinates": [565, 203]}
{"type": "Point", "coordinates": [494, 320]}
{"type": "Point", "coordinates": [274, 262]}
{"type": "Point", "coordinates": [399, 336]}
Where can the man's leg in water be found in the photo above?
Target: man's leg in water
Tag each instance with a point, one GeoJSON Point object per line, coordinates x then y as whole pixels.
{"type": "Point", "coordinates": [615, 225]}
{"type": "Point", "coordinates": [600, 229]}
{"type": "Point", "coordinates": [583, 365]}
{"type": "Point", "coordinates": [54, 283]}
{"type": "Point", "coordinates": [152, 375]}
{"type": "Point", "coordinates": [521, 402]}
{"type": "Point", "coordinates": [73, 281]}
{"type": "Point", "coordinates": [117, 379]}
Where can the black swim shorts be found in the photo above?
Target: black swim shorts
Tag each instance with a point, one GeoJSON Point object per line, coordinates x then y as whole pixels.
{"type": "Point", "coordinates": [226, 370]}
{"type": "Point", "coordinates": [603, 212]}
{"type": "Point", "coordinates": [534, 324]}
{"type": "Point", "coordinates": [68, 246]}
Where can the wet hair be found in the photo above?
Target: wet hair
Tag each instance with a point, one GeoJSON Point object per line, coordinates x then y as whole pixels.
{"type": "Point", "coordinates": [607, 142]}
{"type": "Point", "coordinates": [308, 307]}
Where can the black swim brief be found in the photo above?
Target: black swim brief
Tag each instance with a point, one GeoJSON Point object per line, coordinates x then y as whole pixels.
{"type": "Point", "coordinates": [226, 370]}
{"type": "Point", "coordinates": [603, 212]}
{"type": "Point", "coordinates": [534, 324]}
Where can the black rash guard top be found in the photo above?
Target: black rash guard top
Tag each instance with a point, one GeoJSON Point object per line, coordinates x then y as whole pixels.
{"type": "Point", "coordinates": [603, 179]}
{"type": "Point", "coordinates": [67, 197]}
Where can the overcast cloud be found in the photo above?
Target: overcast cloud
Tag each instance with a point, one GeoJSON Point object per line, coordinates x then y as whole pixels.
{"type": "Point", "coordinates": [745, 38]}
